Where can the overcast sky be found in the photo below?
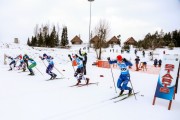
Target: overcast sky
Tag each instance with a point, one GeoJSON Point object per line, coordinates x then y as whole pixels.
{"type": "Point", "coordinates": [135, 18]}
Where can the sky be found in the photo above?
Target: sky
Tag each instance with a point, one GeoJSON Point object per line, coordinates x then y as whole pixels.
{"type": "Point", "coordinates": [128, 18]}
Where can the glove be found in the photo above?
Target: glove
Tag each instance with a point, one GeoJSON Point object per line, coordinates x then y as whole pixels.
{"type": "Point", "coordinates": [69, 55]}
{"type": "Point", "coordinates": [124, 59]}
{"type": "Point", "coordinates": [40, 57]}
{"type": "Point", "coordinates": [108, 58]}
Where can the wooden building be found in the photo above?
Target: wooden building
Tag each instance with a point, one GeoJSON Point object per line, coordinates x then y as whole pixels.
{"type": "Point", "coordinates": [114, 40]}
{"type": "Point", "coordinates": [130, 41]}
{"type": "Point", "coordinates": [76, 40]}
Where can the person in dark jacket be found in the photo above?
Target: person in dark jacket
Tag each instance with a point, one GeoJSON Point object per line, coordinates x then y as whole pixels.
{"type": "Point", "coordinates": [159, 62]}
{"type": "Point", "coordinates": [83, 57]}
{"type": "Point", "coordinates": [137, 63]}
{"type": "Point", "coordinates": [155, 62]}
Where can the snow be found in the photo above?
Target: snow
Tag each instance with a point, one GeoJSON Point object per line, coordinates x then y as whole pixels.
{"type": "Point", "coordinates": [24, 97]}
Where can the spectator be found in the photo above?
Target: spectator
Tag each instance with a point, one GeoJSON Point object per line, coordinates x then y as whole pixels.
{"type": "Point", "coordinates": [155, 62]}
{"type": "Point", "coordinates": [159, 62]}
{"type": "Point", "coordinates": [143, 53]}
{"type": "Point", "coordinates": [135, 52]}
{"type": "Point", "coordinates": [137, 63]}
{"type": "Point", "coordinates": [164, 52]}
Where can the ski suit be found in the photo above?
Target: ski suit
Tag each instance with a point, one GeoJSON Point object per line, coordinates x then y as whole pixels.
{"type": "Point", "coordinates": [33, 64]}
{"type": "Point", "coordinates": [50, 66]}
{"type": "Point", "coordinates": [124, 76]}
{"type": "Point", "coordinates": [79, 70]}
{"type": "Point", "coordinates": [84, 59]}
{"type": "Point", "coordinates": [13, 62]}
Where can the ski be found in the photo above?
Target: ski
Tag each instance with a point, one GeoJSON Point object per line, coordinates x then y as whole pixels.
{"type": "Point", "coordinates": [80, 85]}
{"type": "Point", "coordinates": [118, 96]}
{"type": "Point", "coordinates": [55, 78]}
{"type": "Point", "coordinates": [22, 71]}
{"type": "Point", "coordinates": [125, 97]}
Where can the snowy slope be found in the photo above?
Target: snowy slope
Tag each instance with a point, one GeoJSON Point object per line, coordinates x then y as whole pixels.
{"type": "Point", "coordinates": [24, 97]}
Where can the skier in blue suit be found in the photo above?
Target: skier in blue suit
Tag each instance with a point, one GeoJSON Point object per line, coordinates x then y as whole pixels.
{"type": "Point", "coordinates": [124, 77]}
{"type": "Point", "coordinates": [50, 66]}
{"type": "Point", "coordinates": [79, 73]}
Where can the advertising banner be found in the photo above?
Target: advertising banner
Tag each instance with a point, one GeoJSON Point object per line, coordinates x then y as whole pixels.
{"type": "Point", "coordinates": [167, 79]}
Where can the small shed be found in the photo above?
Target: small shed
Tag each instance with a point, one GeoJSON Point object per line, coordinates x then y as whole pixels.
{"type": "Point", "coordinates": [16, 40]}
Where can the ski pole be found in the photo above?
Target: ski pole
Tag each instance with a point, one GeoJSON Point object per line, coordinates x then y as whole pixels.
{"type": "Point", "coordinates": [44, 63]}
{"type": "Point", "coordinates": [133, 89]}
{"type": "Point", "coordinates": [73, 68]}
{"type": "Point", "coordinates": [71, 61]}
{"type": "Point", "coordinates": [58, 71]}
{"type": "Point", "coordinates": [113, 79]}
{"type": "Point", "coordinates": [39, 71]}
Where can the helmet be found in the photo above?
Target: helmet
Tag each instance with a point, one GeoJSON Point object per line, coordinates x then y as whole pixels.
{"type": "Point", "coordinates": [83, 53]}
{"type": "Point", "coordinates": [119, 57]}
{"type": "Point", "coordinates": [26, 57]}
{"type": "Point", "coordinates": [44, 55]}
{"type": "Point", "coordinates": [20, 56]}
{"type": "Point", "coordinates": [74, 55]}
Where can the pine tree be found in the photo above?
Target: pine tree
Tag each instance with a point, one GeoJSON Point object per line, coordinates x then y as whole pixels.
{"type": "Point", "coordinates": [64, 38]}
{"type": "Point", "coordinates": [167, 38]}
{"type": "Point", "coordinates": [40, 40]}
{"type": "Point", "coordinates": [52, 37]}
{"type": "Point", "coordinates": [28, 42]}
{"type": "Point", "coordinates": [57, 40]}
{"type": "Point", "coordinates": [32, 41]}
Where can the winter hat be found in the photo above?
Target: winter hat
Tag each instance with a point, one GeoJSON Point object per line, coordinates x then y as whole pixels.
{"type": "Point", "coordinates": [73, 55]}
{"type": "Point", "coordinates": [119, 57]}
{"type": "Point", "coordinates": [20, 56]}
{"type": "Point", "coordinates": [44, 55]}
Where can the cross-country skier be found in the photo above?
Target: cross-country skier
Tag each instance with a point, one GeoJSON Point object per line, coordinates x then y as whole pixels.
{"type": "Point", "coordinates": [83, 57]}
{"type": "Point", "coordinates": [12, 63]}
{"type": "Point", "coordinates": [25, 61]}
{"type": "Point", "coordinates": [124, 77]}
{"type": "Point", "coordinates": [79, 71]}
{"type": "Point", "coordinates": [21, 65]}
{"type": "Point", "coordinates": [33, 64]}
{"type": "Point", "coordinates": [50, 66]}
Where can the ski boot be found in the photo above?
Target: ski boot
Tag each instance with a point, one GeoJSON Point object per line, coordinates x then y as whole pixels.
{"type": "Point", "coordinates": [79, 81]}
{"type": "Point", "coordinates": [121, 92]}
{"type": "Point", "coordinates": [130, 91]}
{"type": "Point", "coordinates": [87, 81]}
{"type": "Point", "coordinates": [31, 73]}
{"type": "Point", "coordinates": [10, 69]}
{"type": "Point", "coordinates": [54, 76]}
{"type": "Point", "coordinates": [24, 70]}
{"type": "Point", "coordinates": [51, 77]}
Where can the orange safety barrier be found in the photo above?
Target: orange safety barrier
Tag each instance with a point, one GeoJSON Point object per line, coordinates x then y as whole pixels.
{"type": "Point", "coordinates": [103, 64]}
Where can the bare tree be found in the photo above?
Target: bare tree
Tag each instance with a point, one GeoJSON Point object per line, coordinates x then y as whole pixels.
{"type": "Point", "coordinates": [102, 31]}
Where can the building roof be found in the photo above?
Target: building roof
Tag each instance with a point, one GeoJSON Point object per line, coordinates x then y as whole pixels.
{"type": "Point", "coordinates": [114, 39]}
{"type": "Point", "coordinates": [94, 39]}
{"type": "Point", "coordinates": [76, 39]}
{"type": "Point", "coordinates": [130, 41]}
